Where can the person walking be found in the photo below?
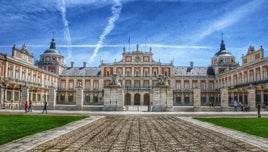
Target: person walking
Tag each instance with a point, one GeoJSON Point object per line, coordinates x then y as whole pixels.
{"type": "Point", "coordinates": [30, 106]}
{"type": "Point", "coordinates": [26, 106]}
{"type": "Point", "coordinates": [259, 110]}
{"type": "Point", "coordinates": [235, 105]}
{"type": "Point", "coordinates": [45, 107]}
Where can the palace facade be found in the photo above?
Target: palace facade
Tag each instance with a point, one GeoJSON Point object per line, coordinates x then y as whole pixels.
{"type": "Point", "coordinates": [137, 82]}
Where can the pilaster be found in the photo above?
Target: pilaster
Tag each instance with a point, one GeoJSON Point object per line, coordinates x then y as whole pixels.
{"type": "Point", "coordinates": [24, 94]}
{"type": "Point", "coordinates": [252, 98]}
{"type": "Point", "coordinates": [79, 97]}
{"type": "Point", "coordinates": [52, 97]}
{"type": "Point", "coordinates": [224, 99]}
{"type": "Point", "coordinates": [197, 99]}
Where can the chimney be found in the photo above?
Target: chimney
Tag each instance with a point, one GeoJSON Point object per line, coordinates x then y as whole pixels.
{"type": "Point", "coordinates": [191, 64]}
{"type": "Point", "coordinates": [84, 64]}
{"type": "Point", "coordinates": [72, 64]}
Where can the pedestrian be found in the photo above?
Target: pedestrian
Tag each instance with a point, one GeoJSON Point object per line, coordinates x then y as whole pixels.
{"type": "Point", "coordinates": [26, 106]}
{"type": "Point", "coordinates": [30, 106]}
{"type": "Point", "coordinates": [259, 110]}
{"type": "Point", "coordinates": [235, 105]}
{"type": "Point", "coordinates": [11, 104]}
{"type": "Point", "coordinates": [45, 107]}
{"type": "Point", "coordinates": [241, 106]}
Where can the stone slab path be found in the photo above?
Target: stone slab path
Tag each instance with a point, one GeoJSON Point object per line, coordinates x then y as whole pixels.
{"type": "Point", "coordinates": [144, 133]}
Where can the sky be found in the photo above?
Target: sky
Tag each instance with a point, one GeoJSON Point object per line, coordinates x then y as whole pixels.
{"type": "Point", "coordinates": [97, 30]}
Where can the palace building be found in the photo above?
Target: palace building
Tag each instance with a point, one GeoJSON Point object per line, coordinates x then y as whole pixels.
{"type": "Point", "coordinates": [135, 83]}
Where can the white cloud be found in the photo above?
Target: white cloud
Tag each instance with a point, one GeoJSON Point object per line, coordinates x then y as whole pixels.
{"type": "Point", "coordinates": [227, 20]}
{"type": "Point", "coordinates": [116, 10]}
{"type": "Point", "coordinates": [141, 46]}
{"type": "Point", "coordinates": [67, 35]}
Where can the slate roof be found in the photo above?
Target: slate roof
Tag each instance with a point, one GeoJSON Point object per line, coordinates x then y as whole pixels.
{"type": "Point", "coordinates": [80, 71]}
{"type": "Point", "coordinates": [193, 71]}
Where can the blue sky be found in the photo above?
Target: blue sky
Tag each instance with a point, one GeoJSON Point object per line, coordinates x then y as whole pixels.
{"type": "Point", "coordinates": [95, 30]}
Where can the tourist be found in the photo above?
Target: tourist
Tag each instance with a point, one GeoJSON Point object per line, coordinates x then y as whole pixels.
{"type": "Point", "coordinates": [45, 107]}
{"type": "Point", "coordinates": [247, 108]}
{"type": "Point", "coordinates": [11, 104]}
{"type": "Point", "coordinates": [259, 110]}
{"type": "Point", "coordinates": [235, 105]}
{"type": "Point", "coordinates": [241, 106]}
{"type": "Point", "coordinates": [30, 106]}
{"type": "Point", "coordinates": [26, 106]}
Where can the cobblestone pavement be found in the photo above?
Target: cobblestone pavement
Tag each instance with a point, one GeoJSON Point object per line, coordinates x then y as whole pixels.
{"type": "Point", "coordinates": [143, 133]}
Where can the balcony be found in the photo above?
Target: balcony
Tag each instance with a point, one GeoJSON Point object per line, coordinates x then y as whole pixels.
{"type": "Point", "coordinates": [23, 82]}
{"type": "Point", "coordinates": [249, 83]}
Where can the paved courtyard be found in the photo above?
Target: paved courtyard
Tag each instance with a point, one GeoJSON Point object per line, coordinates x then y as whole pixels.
{"type": "Point", "coordinates": [143, 133]}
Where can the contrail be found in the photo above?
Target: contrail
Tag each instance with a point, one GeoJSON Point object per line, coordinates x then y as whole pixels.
{"type": "Point", "coordinates": [116, 10]}
{"type": "Point", "coordinates": [66, 28]}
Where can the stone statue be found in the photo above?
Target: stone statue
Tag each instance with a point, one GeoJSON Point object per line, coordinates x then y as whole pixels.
{"type": "Point", "coordinates": [114, 81]}
{"type": "Point", "coordinates": [162, 80]}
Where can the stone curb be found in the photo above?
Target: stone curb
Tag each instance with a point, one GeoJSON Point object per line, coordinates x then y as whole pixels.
{"type": "Point", "coordinates": [250, 139]}
{"type": "Point", "coordinates": [29, 142]}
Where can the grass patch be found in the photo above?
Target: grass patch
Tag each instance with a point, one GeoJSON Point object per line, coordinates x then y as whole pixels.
{"type": "Point", "coordinates": [17, 126]}
{"type": "Point", "coordinates": [254, 126]}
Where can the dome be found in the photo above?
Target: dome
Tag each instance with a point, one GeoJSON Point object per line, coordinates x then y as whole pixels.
{"type": "Point", "coordinates": [223, 51]}
{"type": "Point", "coordinates": [52, 49]}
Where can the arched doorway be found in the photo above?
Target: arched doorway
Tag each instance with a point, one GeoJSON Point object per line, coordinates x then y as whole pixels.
{"type": "Point", "coordinates": [146, 99]}
{"type": "Point", "coordinates": [127, 99]}
{"type": "Point", "coordinates": [137, 99]}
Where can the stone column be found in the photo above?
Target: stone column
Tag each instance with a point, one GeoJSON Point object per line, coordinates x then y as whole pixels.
{"type": "Point", "coordinates": [24, 95]}
{"type": "Point", "coordinates": [252, 98]}
{"type": "Point", "coordinates": [224, 99]}
{"type": "Point", "coordinates": [197, 99]}
{"type": "Point", "coordinates": [52, 98]}
{"type": "Point", "coordinates": [79, 97]}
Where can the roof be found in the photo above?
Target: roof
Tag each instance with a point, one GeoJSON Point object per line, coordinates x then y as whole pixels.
{"type": "Point", "coordinates": [80, 71]}
{"type": "Point", "coordinates": [193, 71]}
{"type": "Point", "coordinates": [53, 51]}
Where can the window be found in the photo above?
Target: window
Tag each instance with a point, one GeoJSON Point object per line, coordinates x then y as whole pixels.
{"type": "Point", "coordinates": [179, 85]}
{"type": "Point", "coordinates": [96, 85]}
{"type": "Point", "coordinates": [71, 98]}
{"type": "Point", "coordinates": [88, 84]}
{"type": "Point", "coordinates": [137, 73]}
{"type": "Point", "coordinates": [154, 73]}
{"type": "Point", "coordinates": [128, 73]}
{"type": "Point", "coordinates": [17, 74]}
{"type": "Point", "coordinates": [203, 86]}
{"type": "Point", "coordinates": [166, 73]}
{"type": "Point", "coordinates": [71, 85]}
{"type": "Point", "coordinates": [62, 85]}
{"type": "Point", "coordinates": [187, 86]}
{"type": "Point", "coordinates": [146, 73]}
